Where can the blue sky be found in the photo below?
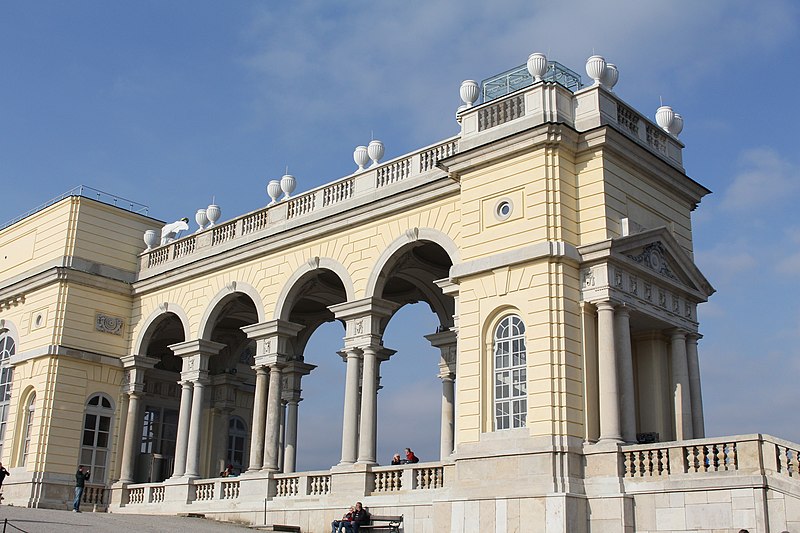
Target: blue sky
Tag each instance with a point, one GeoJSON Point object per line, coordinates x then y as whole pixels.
{"type": "Point", "coordinates": [173, 103]}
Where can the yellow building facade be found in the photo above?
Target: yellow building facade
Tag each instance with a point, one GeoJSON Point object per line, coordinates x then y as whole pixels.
{"type": "Point", "coordinates": [552, 238]}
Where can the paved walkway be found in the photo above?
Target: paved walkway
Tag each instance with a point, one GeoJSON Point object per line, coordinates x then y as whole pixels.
{"type": "Point", "coordinates": [21, 519]}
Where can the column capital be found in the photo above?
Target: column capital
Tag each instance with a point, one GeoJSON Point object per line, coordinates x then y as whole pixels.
{"type": "Point", "coordinates": [273, 340]}
{"type": "Point", "coordinates": [364, 319]}
{"type": "Point", "coordinates": [677, 333]}
{"type": "Point", "coordinates": [195, 354]}
{"type": "Point", "coordinates": [135, 367]}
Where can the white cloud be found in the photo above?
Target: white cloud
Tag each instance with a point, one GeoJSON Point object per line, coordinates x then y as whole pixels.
{"type": "Point", "coordinates": [765, 180]}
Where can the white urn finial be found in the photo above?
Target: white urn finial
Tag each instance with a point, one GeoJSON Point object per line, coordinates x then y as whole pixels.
{"type": "Point", "coordinates": [469, 92]}
{"type": "Point", "coordinates": [665, 116]}
{"type": "Point", "coordinates": [274, 191]}
{"type": "Point", "coordinates": [595, 68]}
{"type": "Point", "coordinates": [288, 185]}
{"type": "Point", "coordinates": [151, 239]}
{"type": "Point", "coordinates": [610, 76]}
{"type": "Point", "coordinates": [677, 125]}
{"type": "Point", "coordinates": [202, 219]}
{"type": "Point", "coordinates": [375, 151]}
{"type": "Point", "coordinates": [361, 157]}
{"type": "Point", "coordinates": [213, 212]}
{"type": "Point", "coordinates": [537, 66]}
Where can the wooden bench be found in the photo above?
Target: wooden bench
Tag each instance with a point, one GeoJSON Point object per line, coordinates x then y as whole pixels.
{"type": "Point", "coordinates": [383, 523]}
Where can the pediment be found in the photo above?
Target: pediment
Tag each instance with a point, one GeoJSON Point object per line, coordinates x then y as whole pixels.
{"type": "Point", "coordinates": [657, 253]}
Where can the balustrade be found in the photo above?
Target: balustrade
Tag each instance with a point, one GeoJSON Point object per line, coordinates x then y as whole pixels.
{"type": "Point", "coordinates": [157, 495]}
{"type": "Point", "coordinates": [319, 485]}
{"type": "Point", "coordinates": [184, 247]}
{"type": "Point", "coordinates": [340, 191]}
{"type": "Point", "coordinates": [393, 172]}
{"type": "Point", "coordinates": [388, 480]}
{"type": "Point", "coordinates": [229, 490]}
{"type": "Point", "coordinates": [255, 221]}
{"type": "Point", "coordinates": [301, 205]}
{"type": "Point", "coordinates": [787, 460]}
{"type": "Point", "coordinates": [646, 463]}
{"type": "Point", "coordinates": [429, 477]}
{"type": "Point", "coordinates": [203, 492]}
{"type": "Point", "coordinates": [223, 233]}
{"type": "Point", "coordinates": [337, 192]}
{"type": "Point", "coordinates": [287, 486]}
{"type": "Point", "coordinates": [136, 495]}
{"type": "Point", "coordinates": [501, 112]}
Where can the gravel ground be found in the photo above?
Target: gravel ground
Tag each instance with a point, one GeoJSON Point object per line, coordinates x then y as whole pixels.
{"type": "Point", "coordinates": [21, 519]}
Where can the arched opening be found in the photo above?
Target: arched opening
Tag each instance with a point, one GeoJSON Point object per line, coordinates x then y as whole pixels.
{"type": "Point", "coordinates": [159, 418]}
{"type": "Point", "coordinates": [231, 385]}
{"type": "Point", "coordinates": [315, 372]}
{"type": "Point", "coordinates": [416, 378]}
{"type": "Point", "coordinates": [96, 438]}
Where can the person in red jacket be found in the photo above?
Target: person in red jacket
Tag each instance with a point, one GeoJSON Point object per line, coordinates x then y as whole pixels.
{"type": "Point", "coordinates": [410, 457]}
{"type": "Point", "coordinates": [340, 525]}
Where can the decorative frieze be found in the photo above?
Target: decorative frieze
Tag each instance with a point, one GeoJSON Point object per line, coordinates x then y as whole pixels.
{"type": "Point", "coordinates": [652, 256]}
{"type": "Point", "coordinates": [597, 281]}
{"type": "Point", "coordinates": [108, 324]}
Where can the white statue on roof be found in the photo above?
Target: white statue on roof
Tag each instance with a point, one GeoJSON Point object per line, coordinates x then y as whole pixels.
{"type": "Point", "coordinates": [170, 232]}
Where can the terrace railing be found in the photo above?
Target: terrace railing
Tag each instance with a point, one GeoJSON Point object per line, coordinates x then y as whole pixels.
{"type": "Point", "coordinates": [363, 186]}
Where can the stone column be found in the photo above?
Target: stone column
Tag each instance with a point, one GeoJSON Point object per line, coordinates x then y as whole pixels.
{"type": "Point", "coordinates": [698, 423]}
{"type": "Point", "coordinates": [195, 430]}
{"type": "Point", "coordinates": [182, 438]}
{"type": "Point", "coordinates": [282, 437]}
{"type": "Point", "coordinates": [351, 407]}
{"type": "Point", "coordinates": [290, 449]}
{"type": "Point", "coordinates": [607, 375]}
{"type": "Point", "coordinates": [273, 419]}
{"type": "Point", "coordinates": [369, 407]}
{"type": "Point", "coordinates": [194, 374]}
{"type": "Point", "coordinates": [132, 424]}
{"type": "Point", "coordinates": [363, 320]}
{"type": "Point", "coordinates": [293, 373]}
{"type": "Point", "coordinates": [625, 361]}
{"type": "Point", "coordinates": [681, 395]}
{"type": "Point", "coordinates": [259, 420]}
{"type": "Point", "coordinates": [446, 341]}
{"type": "Point", "coordinates": [136, 367]}
{"type": "Point", "coordinates": [275, 341]}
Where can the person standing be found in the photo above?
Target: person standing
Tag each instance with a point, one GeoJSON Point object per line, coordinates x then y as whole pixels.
{"type": "Point", "coordinates": [410, 457]}
{"type": "Point", "coordinates": [81, 477]}
{"type": "Point", "coordinates": [3, 474]}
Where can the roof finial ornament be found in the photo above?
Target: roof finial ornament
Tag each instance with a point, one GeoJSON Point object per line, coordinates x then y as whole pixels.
{"type": "Point", "coordinates": [595, 68]}
{"type": "Point", "coordinates": [537, 66]}
{"type": "Point", "coordinates": [469, 92]}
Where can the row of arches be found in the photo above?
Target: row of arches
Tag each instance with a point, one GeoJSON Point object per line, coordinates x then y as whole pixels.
{"type": "Point", "coordinates": [314, 296]}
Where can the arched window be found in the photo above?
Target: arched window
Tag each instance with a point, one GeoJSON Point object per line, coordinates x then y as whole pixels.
{"type": "Point", "coordinates": [510, 375]}
{"type": "Point", "coordinates": [26, 443]}
{"type": "Point", "coordinates": [7, 349]}
{"type": "Point", "coordinates": [237, 437]}
{"type": "Point", "coordinates": [96, 436]}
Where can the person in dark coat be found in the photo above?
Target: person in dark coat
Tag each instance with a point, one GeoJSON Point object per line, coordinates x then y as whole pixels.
{"type": "Point", "coordinates": [81, 477]}
{"type": "Point", "coordinates": [410, 457]}
{"type": "Point", "coordinates": [360, 517]}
